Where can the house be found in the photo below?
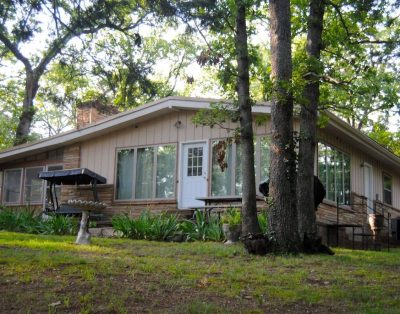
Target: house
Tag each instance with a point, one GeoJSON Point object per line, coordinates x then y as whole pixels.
{"type": "Point", "coordinates": [155, 157]}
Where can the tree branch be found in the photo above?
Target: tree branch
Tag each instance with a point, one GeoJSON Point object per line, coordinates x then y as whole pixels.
{"type": "Point", "coordinates": [15, 51]}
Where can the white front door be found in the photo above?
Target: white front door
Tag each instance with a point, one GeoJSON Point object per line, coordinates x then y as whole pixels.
{"type": "Point", "coordinates": [368, 186]}
{"type": "Point", "coordinates": [194, 174]}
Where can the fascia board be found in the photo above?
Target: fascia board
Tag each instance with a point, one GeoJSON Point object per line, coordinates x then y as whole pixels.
{"type": "Point", "coordinates": [118, 121]}
{"type": "Point", "coordinates": [369, 145]}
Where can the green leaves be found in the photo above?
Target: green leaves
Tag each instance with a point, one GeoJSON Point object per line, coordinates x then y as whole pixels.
{"type": "Point", "coordinates": [25, 220]}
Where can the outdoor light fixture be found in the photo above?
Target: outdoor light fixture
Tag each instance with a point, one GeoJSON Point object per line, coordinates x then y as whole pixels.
{"type": "Point", "coordinates": [178, 124]}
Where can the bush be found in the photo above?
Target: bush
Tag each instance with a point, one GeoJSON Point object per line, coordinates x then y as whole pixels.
{"type": "Point", "coordinates": [59, 225]}
{"type": "Point", "coordinates": [25, 220]}
{"type": "Point", "coordinates": [232, 216]}
{"type": "Point", "coordinates": [147, 226]}
{"type": "Point", "coordinates": [19, 220]}
{"type": "Point", "coordinates": [202, 229]}
{"type": "Point", "coordinates": [164, 227]}
{"type": "Point", "coordinates": [263, 222]}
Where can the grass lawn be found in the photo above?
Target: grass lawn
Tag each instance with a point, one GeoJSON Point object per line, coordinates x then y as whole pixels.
{"type": "Point", "coordinates": [50, 274]}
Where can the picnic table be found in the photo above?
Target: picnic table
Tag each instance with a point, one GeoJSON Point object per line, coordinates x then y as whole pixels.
{"type": "Point", "coordinates": [222, 202]}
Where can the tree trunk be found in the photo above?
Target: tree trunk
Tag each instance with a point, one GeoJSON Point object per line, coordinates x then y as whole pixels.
{"type": "Point", "coordinates": [282, 211]}
{"type": "Point", "coordinates": [308, 124]}
{"type": "Point", "coordinates": [28, 111]}
{"type": "Point", "coordinates": [249, 206]}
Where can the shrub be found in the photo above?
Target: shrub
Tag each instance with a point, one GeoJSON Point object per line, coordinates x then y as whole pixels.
{"type": "Point", "coordinates": [59, 225]}
{"type": "Point", "coordinates": [19, 220]}
{"type": "Point", "coordinates": [202, 229]}
{"type": "Point", "coordinates": [25, 220]}
{"type": "Point", "coordinates": [164, 227]}
{"type": "Point", "coordinates": [147, 226]}
{"type": "Point", "coordinates": [263, 222]}
{"type": "Point", "coordinates": [231, 217]}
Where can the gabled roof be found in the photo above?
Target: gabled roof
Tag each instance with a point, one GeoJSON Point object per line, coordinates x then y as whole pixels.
{"type": "Point", "coordinates": [112, 123]}
{"type": "Point", "coordinates": [165, 105]}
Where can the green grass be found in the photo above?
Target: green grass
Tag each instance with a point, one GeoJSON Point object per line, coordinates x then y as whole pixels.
{"type": "Point", "coordinates": [51, 274]}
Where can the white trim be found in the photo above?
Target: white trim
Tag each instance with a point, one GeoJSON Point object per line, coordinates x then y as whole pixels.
{"type": "Point", "coordinates": [385, 174]}
{"type": "Point", "coordinates": [370, 200]}
{"type": "Point", "coordinates": [24, 187]}
{"type": "Point", "coordinates": [115, 122]}
{"type": "Point", "coordinates": [180, 168]}
{"type": "Point", "coordinates": [45, 183]}
{"type": "Point", "coordinates": [20, 186]}
{"type": "Point", "coordinates": [134, 170]}
{"type": "Point", "coordinates": [365, 143]}
{"type": "Point", "coordinates": [174, 103]}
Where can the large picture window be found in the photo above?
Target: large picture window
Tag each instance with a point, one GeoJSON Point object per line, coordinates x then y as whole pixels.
{"type": "Point", "coordinates": [12, 186]}
{"type": "Point", "coordinates": [334, 173]}
{"type": "Point", "coordinates": [228, 181]}
{"type": "Point", "coordinates": [33, 186]}
{"type": "Point", "coordinates": [387, 189]}
{"type": "Point", "coordinates": [146, 173]}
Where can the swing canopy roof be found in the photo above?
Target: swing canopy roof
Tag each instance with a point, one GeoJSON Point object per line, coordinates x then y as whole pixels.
{"type": "Point", "coordinates": [72, 177]}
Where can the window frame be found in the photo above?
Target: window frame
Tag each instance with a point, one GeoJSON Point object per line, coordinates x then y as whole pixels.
{"type": "Point", "coordinates": [257, 163]}
{"type": "Point", "coordinates": [24, 201]}
{"type": "Point", "coordinates": [1, 184]}
{"type": "Point", "coordinates": [385, 174]}
{"type": "Point", "coordinates": [134, 173]}
{"type": "Point", "coordinates": [21, 184]}
{"type": "Point", "coordinates": [343, 184]}
{"type": "Point", "coordinates": [47, 184]}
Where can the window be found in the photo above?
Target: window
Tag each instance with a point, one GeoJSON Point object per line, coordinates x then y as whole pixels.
{"type": "Point", "coordinates": [387, 189]}
{"type": "Point", "coordinates": [124, 180]}
{"type": "Point", "coordinates": [221, 179]}
{"type": "Point", "coordinates": [57, 188]}
{"type": "Point", "coordinates": [144, 173]}
{"type": "Point", "coordinates": [1, 185]}
{"type": "Point", "coordinates": [334, 173]}
{"type": "Point", "coordinates": [12, 186]}
{"type": "Point", "coordinates": [33, 188]}
{"type": "Point", "coordinates": [229, 180]}
{"type": "Point", "coordinates": [195, 162]}
{"type": "Point", "coordinates": [165, 178]}
{"type": "Point", "coordinates": [148, 172]}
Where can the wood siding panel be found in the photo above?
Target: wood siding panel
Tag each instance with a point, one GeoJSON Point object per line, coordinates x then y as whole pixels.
{"type": "Point", "coordinates": [358, 158]}
{"type": "Point", "coordinates": [99, 155]}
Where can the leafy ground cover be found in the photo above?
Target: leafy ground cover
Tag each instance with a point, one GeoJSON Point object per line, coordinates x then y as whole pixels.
{"type": "Point", "coordinates": [50, 274]}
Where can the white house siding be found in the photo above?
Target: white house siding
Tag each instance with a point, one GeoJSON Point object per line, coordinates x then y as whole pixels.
{"type": "Point", "coordinates": [358, 158]}
{"type": "Point", "coordinates": [99, 154]}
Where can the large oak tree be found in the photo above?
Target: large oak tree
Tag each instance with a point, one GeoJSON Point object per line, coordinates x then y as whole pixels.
{"type": "Point", "coordinates": [24, 22]}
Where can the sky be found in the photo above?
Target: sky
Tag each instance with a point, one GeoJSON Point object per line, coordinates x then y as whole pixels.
{"type": "Point", "coordinates": [162, 67]}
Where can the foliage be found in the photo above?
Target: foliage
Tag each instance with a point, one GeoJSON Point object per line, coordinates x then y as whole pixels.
{"type": "Point", "coordinates": [165, 227]}
{"type": "Point", "coordinates": [20, 220]}
{"type": "Point", "coordinates": [59, 225]}
{"type": "Point", "coordinates": [52, 26]}
{"type": "Point", "coordinates": [10, 96]}
{"type": "Point", "coordinates": [203, 228]}
{"type": "Point", "coordinates": [263, 221]}
{"type": "Point", "coordinates": [381, 134]}
{"type": "Point", "coordinates": [25, 220]}
{"type": "Point", "coordinates": [147, 226]}
{"type": "Point", "coordinates": [231, 217]}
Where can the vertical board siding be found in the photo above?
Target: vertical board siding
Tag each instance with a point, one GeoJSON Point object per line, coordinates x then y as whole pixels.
{"type": "Point", "coordinates": [358, 158]}
{"type": "Point", "coordinates": [396, 191]}
{"type": "Point", "coordinates": [99, 154]}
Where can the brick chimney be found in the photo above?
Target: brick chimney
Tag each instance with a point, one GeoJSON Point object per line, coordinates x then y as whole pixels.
{"type": "Point", "coordinates": [92, 111]}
